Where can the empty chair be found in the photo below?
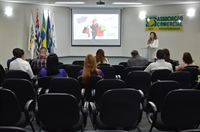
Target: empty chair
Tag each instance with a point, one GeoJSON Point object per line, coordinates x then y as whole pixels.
{"type": "Point", "coordinates": [17, 74]}
{"type": "Point", "coordinates": [103, 64]}
{"type": "Point", "coordinates": [88, 87]}
{"type": "Point", "coordinates": [106, 131]}
{"type": "Point", "coordinates": [60, 63]}
{"type": "Point", "coordinates": [124, 64]}
{"type": "Point", "coordinates": [161, 74]}
{"type": "Point", "coordinates": [191, 130]}
{"type": "Point", "coordinates": [109, 71]}
{"type": "Point", "coordinates": [180, 111]}
{"type": "Point", "coordinates": [64, 65]}
{"type": "Point", "coordinates": [129, 69]}
{"type": "Point", "coordinates": [2, 70]}
{"type": "Point", "coordinates": [11, 113]}
{"type": "Point", "coordinates": [1, 78]}
{"type": "Point", "coordinates": [73, 70]}
{"type": "Point", "coordinates": [182, 77]}
{"type": "Point", "coordinates": [36, 70]}
{"type": "Point", "coordinates": [197, 86]}
{"type": "Point", "coordinates": [12, 129]}
{"type": "Point", "coordinates": [158, 91]}
{"type": "Point", "coordinates": [22, 88]}
{"type": "Point", "coordinates": [60, 111]}
{"type": "Point", "coordinates": [120, 109]}
{"type": "Point", "coordinates": [193, 71]}
{"type": "Point", "coordinates": [104, 85]}
{"type": "Point", "coordinates": [139, 80]}
{"type": "Point", "coordinates": [43, 84]}
{"type": "Point", "coordinates": [66, 85]}
{"type": "Point", "coordinates": [119, 69]}
{"type": "Point", "coordinates": [78, 62]}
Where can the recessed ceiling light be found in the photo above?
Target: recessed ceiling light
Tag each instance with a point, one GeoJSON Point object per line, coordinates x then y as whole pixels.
{"type": "Point", "coordinates": [8, 11]}
{"type": "Point", "coordinates": [127, 3]}
{"type": "Point", "coordinates": [70, 3]}
{"type": "Point", "coordinates": [190, 12]}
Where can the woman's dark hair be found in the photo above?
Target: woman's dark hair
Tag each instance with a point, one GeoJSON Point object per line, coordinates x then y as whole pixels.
{"type": "Point", "coordinates": [100, 57]}
{"type": "Point", "coordinates": [187, 58]}
{"type": "Point", "coordinates": [52, 64]}
{"type": "Point", "coordinates": [167, 55]}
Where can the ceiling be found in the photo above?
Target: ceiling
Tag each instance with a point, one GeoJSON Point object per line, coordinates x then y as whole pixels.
{"type": "Point", "coordinates": [108, 3]}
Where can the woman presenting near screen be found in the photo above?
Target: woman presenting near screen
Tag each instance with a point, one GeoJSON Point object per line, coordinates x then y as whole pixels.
{"type": "Point", "coordinates": [152, 44]}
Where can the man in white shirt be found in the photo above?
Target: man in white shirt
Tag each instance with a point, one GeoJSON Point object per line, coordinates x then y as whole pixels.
{"type": "Point", "coordinates": [160, 63]}
{"type": "Point", "coordinates": [20, 64]}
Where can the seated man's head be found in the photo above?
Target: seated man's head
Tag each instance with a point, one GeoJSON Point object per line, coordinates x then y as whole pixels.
{"type": "Point", "coordinates": [43, 51]}
{"type": "Point", "coordinates": [134, 53]}
{"type": "Point", "coordinates": [19, 53]}
{"type": "Point", "coordinates": [160, 54]}
{"type": "Point", "coordinates": [14, 51]}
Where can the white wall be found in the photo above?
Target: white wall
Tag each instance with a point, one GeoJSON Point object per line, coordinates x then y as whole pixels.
{"type": "Point", "coordinates": [177, 42]}
{"type": "Point", "coordinates": [14, 31]}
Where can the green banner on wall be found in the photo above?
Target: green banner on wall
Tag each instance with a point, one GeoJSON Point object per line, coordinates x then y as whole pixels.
{"type": "Point", "coordinates": [164, 23]}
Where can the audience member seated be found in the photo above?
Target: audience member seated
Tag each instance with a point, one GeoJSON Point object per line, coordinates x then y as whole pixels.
{"type": "Point", "coordinates": [100, 57]}
{"type": "Point", "coordinates": [187, 61]}
{"type": "Point", "coordinates": [41, 60]}
{"type": "Point", "coordinates": [13, 58]}
{"type": "Point", "coordinates": [167, 56]}
{"type": "Point", "coordinates": [20, 64]}
{"type": "Point", "coordinates": [52, 68]}
{"type": "Point", "coordinates": [160, 63]}
{"type": "Point", "coordinates": [137, 60]}
{"type": "Point", "coordinates": [90, 68]}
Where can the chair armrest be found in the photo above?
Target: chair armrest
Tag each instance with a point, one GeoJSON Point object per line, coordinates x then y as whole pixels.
{"type": "Point", "coordinates": [46, 91]}
{"type": "Point", "coordinates": [83, 96]}
{"type": "Point", "coordinates": [140, 114]}
{"type": "Point", "coordinates": [142, 94]}
{"type": "Point", "coordinates": [37, 115]}
{"type": "Point", "coordinates": [193, 84]}
{"type": "Point", "coordinates": [27, 107]}
{"type": "Point", "coordinates": [39, 90]}
{"type": "Point", "coordinates": [151, 107]}
{"type": "Point", "coordinates": [93, 93]}
{"type": "Point", "coordinates": [85, 113]}
{"type": "Point", "coordinates": [92, 112]}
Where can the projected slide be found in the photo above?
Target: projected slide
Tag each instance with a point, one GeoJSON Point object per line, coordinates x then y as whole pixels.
{"type": "Point", "coordinates": [95, 26]}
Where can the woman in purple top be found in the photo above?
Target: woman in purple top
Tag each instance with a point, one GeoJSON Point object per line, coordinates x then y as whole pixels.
{"type": "Point", "coordinates": [52, 68]}
{"type": "Point", "coordinates": [90, 68]}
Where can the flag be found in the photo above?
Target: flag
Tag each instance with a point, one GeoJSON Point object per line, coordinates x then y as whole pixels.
{"type": "Point", "coordinates": [37, 37]}
{"type": "Point", "coordinates": [43, 35]}
{"type": "Point", "coordinates": [49, 36]}
{"type": "Point", "coordinates": [53, 29]}
{"type": "Point", "coordinates": [31, 39]}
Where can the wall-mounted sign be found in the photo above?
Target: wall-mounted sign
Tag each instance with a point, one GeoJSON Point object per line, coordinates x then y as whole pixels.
{"type": "Point", "coordinates": [164, 23]}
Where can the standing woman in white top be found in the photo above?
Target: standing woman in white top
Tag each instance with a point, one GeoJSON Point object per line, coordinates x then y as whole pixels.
{"type": "Point", "coordinates": [100, 57]}
{"type": "Point", "coordinates": [152, 44]}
